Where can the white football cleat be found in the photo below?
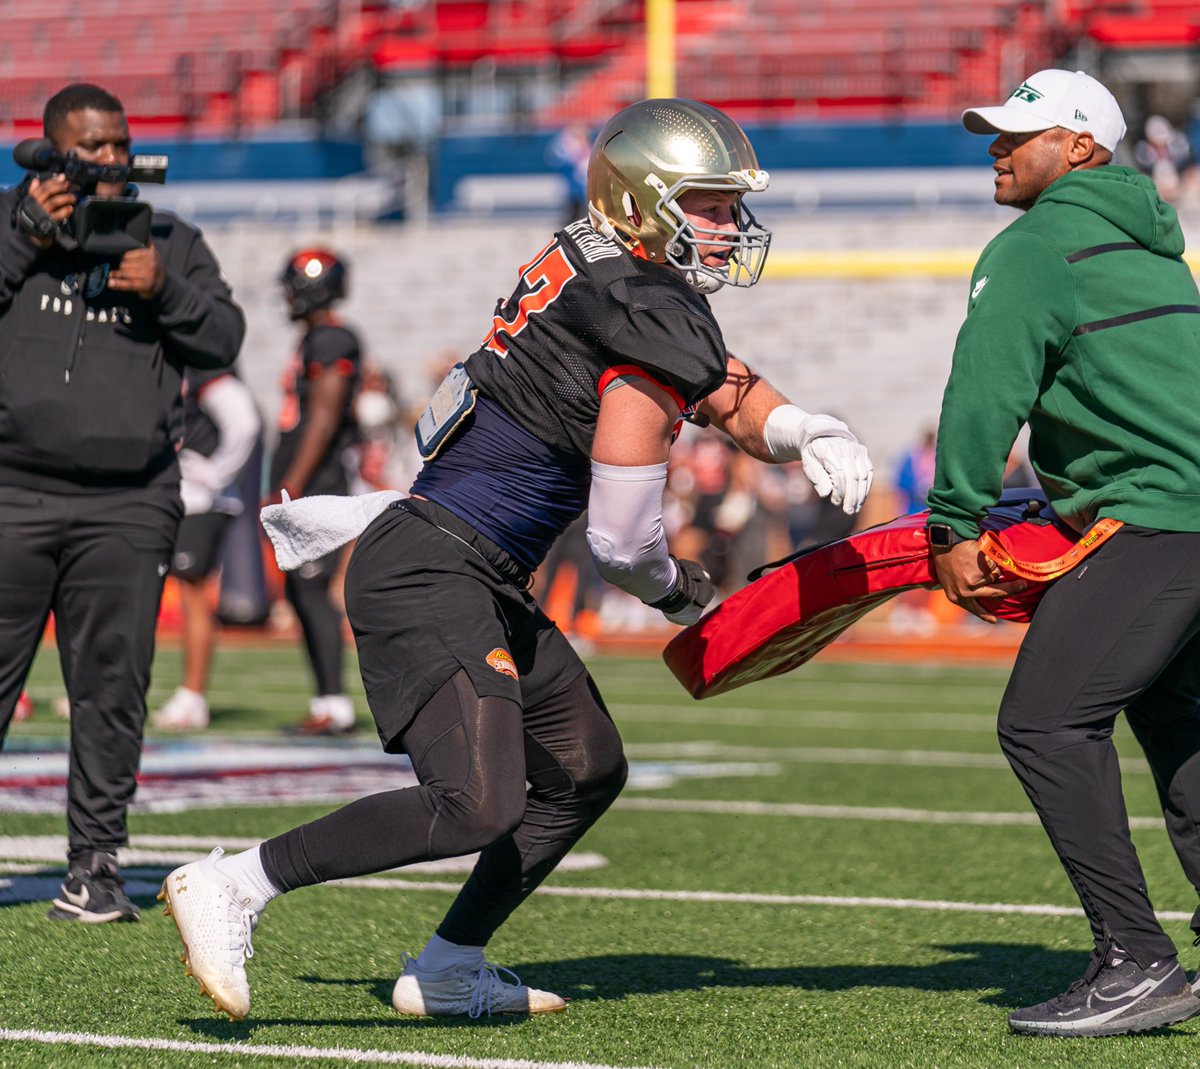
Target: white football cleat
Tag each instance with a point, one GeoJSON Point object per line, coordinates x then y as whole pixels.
{"type": "Point", "coordinates": [215, 925]}
{"type": "Point", "coordinates": [185, 710]}
{"type": "Point", "coordinates": [466, 989]}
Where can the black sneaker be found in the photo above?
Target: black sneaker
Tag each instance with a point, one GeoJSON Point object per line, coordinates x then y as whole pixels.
{"type": "Point", "coordinates": [94, 892]}
{"type": "Point", "coordinates": [1114, 998]}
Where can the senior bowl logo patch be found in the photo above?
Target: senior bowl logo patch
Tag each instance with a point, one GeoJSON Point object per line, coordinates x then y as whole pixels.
{"type": "Point", "coordinates": [502, 662]}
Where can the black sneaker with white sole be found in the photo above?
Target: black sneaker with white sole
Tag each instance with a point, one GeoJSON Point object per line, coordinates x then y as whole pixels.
{"type": "Point", "coordinates": [1110, 1000]}
{"type": "Point", "coordinates": [94, 892]}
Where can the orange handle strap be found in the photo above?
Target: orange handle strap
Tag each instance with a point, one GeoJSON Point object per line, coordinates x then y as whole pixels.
{"type": "Point", "coordinates": [1044, 571]}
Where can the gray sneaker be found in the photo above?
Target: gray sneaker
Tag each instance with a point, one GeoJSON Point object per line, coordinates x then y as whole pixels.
{"type": "Point", "coordinates": [473, 991]}
{"type": "Point", "coordinates": [1113, 999]}
{"type": "Point", "coordinates": [94, 892]}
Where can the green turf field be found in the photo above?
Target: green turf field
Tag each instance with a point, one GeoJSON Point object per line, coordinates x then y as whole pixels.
{"type": "Point", "coordinates": [796, 864]}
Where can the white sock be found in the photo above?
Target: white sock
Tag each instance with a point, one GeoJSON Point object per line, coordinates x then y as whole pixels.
{"type": "Point", "coordinates": [246, 870]}
{"type": "Point", "coordinates": [440, 954]}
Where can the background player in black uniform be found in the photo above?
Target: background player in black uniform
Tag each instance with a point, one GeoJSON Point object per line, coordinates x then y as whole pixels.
{"type": "Point", "coordinates": [92, 352]}
{"type": "Point", "coordinates": [220, 430]}
{"type": "Point", "coordinates": [572, 400]}
{"type": "Point", "coordinates": [317, 433]}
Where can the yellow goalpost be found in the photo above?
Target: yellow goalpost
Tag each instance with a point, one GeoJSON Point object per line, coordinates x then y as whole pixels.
{"type": "Point", "coordinates": [660, 48]}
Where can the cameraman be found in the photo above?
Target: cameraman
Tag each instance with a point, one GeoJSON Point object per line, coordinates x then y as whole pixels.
{"type": "Point", "coordinates": [92, 352]}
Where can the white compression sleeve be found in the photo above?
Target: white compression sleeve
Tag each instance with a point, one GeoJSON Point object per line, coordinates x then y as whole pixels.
{"type": "Point", "coordinates": [625, 529]}
{"type": "Point", "coordinates": [230, 405]}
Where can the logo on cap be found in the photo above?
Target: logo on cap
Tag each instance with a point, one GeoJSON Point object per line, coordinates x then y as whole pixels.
{"type": "Point", "coordinates": [1027, 93]}
{"type": "Point", "coordinates": [1080, 115]}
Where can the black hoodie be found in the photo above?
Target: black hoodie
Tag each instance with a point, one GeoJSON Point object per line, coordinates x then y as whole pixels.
{"type": "Point", "coordinates": [90, 377]}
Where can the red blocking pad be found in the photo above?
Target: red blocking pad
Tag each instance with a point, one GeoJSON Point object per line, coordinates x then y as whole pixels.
{"type": "Point", "coordinates": [785, 617]}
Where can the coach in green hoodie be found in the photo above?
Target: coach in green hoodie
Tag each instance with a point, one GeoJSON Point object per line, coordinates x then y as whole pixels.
{"type": "Point", "coordinates": [1084, 322]}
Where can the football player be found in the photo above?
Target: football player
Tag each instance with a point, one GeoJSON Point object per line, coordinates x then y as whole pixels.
{"type": "Point", "coordinates": [220, 430]}
{"type": "Point", "coordinates": [317, 435]}
{"type": "Point", "coordinates": [572, 400]}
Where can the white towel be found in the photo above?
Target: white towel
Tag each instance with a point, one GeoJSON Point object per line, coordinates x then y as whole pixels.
{"type": "Point", "coordinates": [306, 529]}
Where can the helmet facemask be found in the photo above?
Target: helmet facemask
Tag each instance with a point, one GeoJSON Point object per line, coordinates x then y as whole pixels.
{"type": "Point", "coordinates": [747, 245]}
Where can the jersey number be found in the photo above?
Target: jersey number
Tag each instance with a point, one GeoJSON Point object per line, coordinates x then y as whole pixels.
{"type": "Point", "coordinates": [542, 280]}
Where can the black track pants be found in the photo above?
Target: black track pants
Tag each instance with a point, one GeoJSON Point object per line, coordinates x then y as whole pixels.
{"type": "Point", "coordinates": [97, 561]}
{"type": "Point", "coordinates": [321, 621]}
{"type": "Point", "coordinates": [1118, 632]}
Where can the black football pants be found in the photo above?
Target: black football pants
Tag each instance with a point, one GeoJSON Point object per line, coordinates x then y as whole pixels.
{"type": "Point", "coordinates": [98, 561]}
{"type": "Point", "coordinates": [473, 757]}
{"type": "Point", "coordinates": [308, 589]}
{"type": "Point", "coordinates": [1118, 632]}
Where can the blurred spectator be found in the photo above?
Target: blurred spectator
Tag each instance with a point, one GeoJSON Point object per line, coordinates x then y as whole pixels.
{"type": "Point", "coordinates": [567, 155]}
{"type": "Point", "coordinates": [220, 430]}
{"type": "Point", "coordinates": [1165, 155]}
{"type": "Point", "coordinates": [387, 455]}
{"type": "Point", "coordinates": [709, 462]}
{"type": "Point", "coordinates": [810, 520]}
{"type": "Point", "coordinates": [1017, 471]}
{"type": "Point", "coordinates": [914, 473]}
{"type": "Point", "coordinates": [751, 520]}
{"type": "Point", "coordinates": [317, 433]}
{"type": "Point", "coordinates": [569, 587]}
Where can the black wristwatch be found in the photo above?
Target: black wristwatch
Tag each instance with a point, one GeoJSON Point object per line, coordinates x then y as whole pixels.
{"type": "Point", "coordinates": [942, 535]}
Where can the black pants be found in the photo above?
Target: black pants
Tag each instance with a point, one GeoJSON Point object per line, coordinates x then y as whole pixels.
{"type": "Point", "coordinates": [514, 750]}
{"type": "Point", "coordinates": [308, 591]}
{"type": "Point", "coordinates": [1119, 632]}
{"type": "Point", "coordinates": [97, 561]}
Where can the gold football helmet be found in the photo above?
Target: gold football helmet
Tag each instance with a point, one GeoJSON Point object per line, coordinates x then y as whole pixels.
{"type": "Point", "coordinates": [650, 153]}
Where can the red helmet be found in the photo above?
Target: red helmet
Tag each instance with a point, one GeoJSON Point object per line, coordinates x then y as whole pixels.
{"type": "Point", "coordinates": [314, 278]}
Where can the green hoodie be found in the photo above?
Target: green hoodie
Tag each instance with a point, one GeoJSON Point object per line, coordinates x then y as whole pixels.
{"type": "Point", "coordinates": [1083, 321]}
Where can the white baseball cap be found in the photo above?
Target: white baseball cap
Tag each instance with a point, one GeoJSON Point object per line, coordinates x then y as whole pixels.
{"type": "Point", "coordinates": [1070, 99]}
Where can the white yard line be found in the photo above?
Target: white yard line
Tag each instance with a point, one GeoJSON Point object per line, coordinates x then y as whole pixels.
{"type": "Point", "coordinates": [981, 723]}
{"type": "Point", "coordinates": [849, 812]}
{"type": "Point", "coordinates": [841, 755]}
{"type": "Point", "coordinates": [854, 901]}
{"type": "Point", "coordinates": [345, 1055]}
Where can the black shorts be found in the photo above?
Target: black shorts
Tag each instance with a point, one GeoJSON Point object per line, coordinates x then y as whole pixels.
{"type": "Point", "coordinates": [198, 545]}
{"type": "Point", "coordinates": [425, 602]}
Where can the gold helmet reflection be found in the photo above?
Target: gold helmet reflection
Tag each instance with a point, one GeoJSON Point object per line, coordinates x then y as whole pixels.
{"type": "Point", "coordinates": [650, 153]}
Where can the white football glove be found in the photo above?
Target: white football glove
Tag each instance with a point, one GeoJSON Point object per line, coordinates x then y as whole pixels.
{"type": "Point", "coordinates": [840, 469]}
{"type": "Point", "coordinates": [834, 460]}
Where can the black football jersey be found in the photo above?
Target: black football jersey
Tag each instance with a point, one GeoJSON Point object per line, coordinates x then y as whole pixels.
{"type": "Point", "coordinates": [326, 349]}
{"type": "Point", "coordinates": [584, 312]}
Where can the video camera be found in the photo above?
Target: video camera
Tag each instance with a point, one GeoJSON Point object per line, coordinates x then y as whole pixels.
{"type": "Point", "coordinates": [103, 226]}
